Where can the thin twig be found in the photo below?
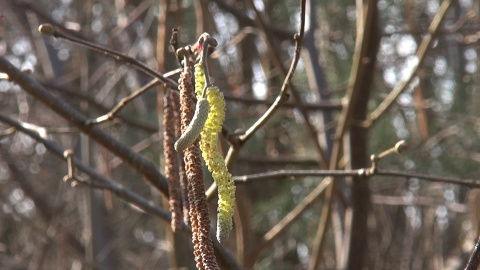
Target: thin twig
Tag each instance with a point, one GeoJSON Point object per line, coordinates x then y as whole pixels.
{"type": "Point", "coordinates": [204, 41]}
{"type": "Point", "coordinates": [244, 179]}
{"type": "Point", "coordinates": [122, 193]}
{"type": "Point", "coordinates": [321, 105]}
{"type": "Point", "coordinates": [110, 115]}
{"type": "Point", "coordinates": [281, 98]}
{"type": "Point", "coordinates": [139, 163]}
{"type": "Point", "coordinates": [474, 260]}
{"type": "Point", "coordinates": [68, 155]}
{"type": "Point", "coordinates": [365, 11]}
{"type": "Point", "coordinates": [279, 63]}
{"type": "Point", "coordinates": [421, 53]}
{"type": "Point", "coordinates": [49, 29]}
{"type": "Point", "coordinates": [68, 93]}
{"type": "Point", "coordinates": [289, 219]}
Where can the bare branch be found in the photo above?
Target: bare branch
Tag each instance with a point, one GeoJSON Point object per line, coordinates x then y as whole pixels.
{"type": "Point", "coordinates": [421, 53]}
{"type": "Point", "coordinates": [49, 29]}
{"type": "Point", "coordinates": [474, 260]}
{"type": "Point", "coordinates": [102, 182]}
{"type": "Point", "coordinates": [136, 161]}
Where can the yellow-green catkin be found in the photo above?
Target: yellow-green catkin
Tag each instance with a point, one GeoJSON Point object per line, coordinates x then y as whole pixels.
{"type": "Point", "coordinates": [216, 164]}
{"type": "Point", "coordinates": [199, 80]}
{"type": "Point", "coordinates": [213, 159]}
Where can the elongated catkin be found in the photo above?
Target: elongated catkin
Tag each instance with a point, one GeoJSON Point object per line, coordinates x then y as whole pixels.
{"type": "Point", "coordinates": [216, 164]}
{"type": "Point", "coordinates": [195, 127]}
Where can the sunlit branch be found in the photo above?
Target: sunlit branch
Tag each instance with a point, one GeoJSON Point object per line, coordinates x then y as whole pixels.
{"type": "Point", "coordinates": [474, 260]}
{"type": "Point", "coordinates": [281, 98]}
{"type": "Point", "coordinates": [110, 115]}
{"type": "Point", "coordinates": [137, 162]}
{"type": "Point", "coordinates": [50, 30]}
{"type": "Point", "coordinates": [292, 174]}
{"type": "Point", "coordinates": [261, 23]}
{"type": "Point", "coordinates": [204, 41]}
{"type": "Point", "coordinates": [99, 181]}
{"type": "Point", "coordinates": [421, 53]}
{"type": "Point", "coordinates": [7, 132]}
{"type": "Point", "coordinates": [97, 106]}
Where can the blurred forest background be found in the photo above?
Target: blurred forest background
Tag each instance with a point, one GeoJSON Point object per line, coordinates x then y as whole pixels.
{"type": "Point", "coordinates": [418, 60]}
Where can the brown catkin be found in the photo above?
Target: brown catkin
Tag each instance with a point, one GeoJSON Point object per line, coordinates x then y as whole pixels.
{"type": "Point", "coordinates": [186, 108]}
{"type": "Point", "coordinates": [181, 162]}
{"type": "Point", "coordinates": [199, 217]}
{"type": "Point", "coordinates": [171, 158]}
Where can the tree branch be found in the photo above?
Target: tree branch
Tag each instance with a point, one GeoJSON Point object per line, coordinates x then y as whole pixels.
{"type": "Point", "coordinates": [122, 193]}
{"type": "Point", "coordinates": [421, 53]}
{"type": "Point", "coordinates": [136, 161]}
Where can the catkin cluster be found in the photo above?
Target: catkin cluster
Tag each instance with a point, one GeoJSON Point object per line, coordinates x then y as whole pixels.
{"type": "Point", "coordinates": [213, 159]}
{"type": "Point", "coordinates": [199, 217]}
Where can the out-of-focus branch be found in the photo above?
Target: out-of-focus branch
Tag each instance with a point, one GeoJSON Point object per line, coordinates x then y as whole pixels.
{"type": "Point", "coordinates": [262, 24]}
{"type": "Point", "coordinates": [68, 93]}
{"type": "Point", "coordinates": [474, 260]}
{"type": "Point", "coordinates": [279, 32]}
{"type": "Point", "coordinates": [281, 98]}
{"type": "Point", "coordinates": [118, 189]}
{"type": "Point", "coordinates": [321, 105]}
{"type": "Point", "coordinates": [136, 161]}
{"type": "Point", "coordinates": [111, 114]}
{"type": "Point", "coordinates": [45, 209]}
{"type": "Point", "coordinates": [281, 227]}
{"type": "Point", "coordinates": [366, 11]}
{"type": "Point", "coordinates": [421, 53]}
{"type": "Point", "coordinates": [122, 193]}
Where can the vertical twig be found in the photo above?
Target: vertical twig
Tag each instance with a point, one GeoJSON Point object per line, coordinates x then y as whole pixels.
{"type": "Point", "coordinates": [365, 13]}
{"type": "Point", "coordinates": [474, 260]}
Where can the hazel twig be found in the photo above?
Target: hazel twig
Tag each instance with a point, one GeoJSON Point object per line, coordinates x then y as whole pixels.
{"type": "Point", "coordinates": [397, 148]}
{"type": "Point", "coordinates": [50, 30]}
{"type": "Point", "coordinates": [7, 132]}
{"type": "Point", "coordinates": [111, 114]}
{"type": "Point", "coordinates": [281, 98]}
{"type": "Point", "coordinates": [292, 174]}
{"type": "Point", "coordinates": [70, 177]}
{"type": "Point", "coordinates": [206, 40]}
{"type": "Point", "coordinates": [422, 51]}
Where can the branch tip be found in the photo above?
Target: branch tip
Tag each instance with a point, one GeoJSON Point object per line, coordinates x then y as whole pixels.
{"type": "Point", "coordinates": [401, 146]}
{"type": "Point", "coordinates": [47, 29]}
{"type": "Point", "coordinates": [68, 153]}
